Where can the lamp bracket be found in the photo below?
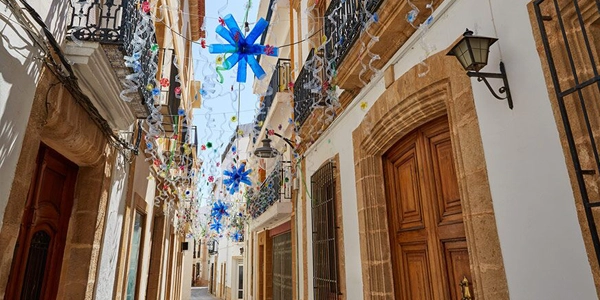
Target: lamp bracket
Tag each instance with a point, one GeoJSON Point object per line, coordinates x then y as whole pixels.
{"type": "Point", "coordinates": [482, 76]}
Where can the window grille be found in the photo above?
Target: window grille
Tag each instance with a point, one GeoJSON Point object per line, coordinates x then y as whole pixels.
{"type": "Point", "coordinates": [325, 264]}
{"type": "Point", "coordinates": [36, 265]}
{"type": "Point", "coordinates": [282, 266]}
{"type": "Point", "coordinates": [570, 33]}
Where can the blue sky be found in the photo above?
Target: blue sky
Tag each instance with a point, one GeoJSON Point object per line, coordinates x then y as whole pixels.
{"type": "Point", "coordinates": [213, 120]}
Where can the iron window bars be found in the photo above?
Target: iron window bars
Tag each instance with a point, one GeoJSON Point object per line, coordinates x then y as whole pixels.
{"type": "Point", "coordinates": [325, 263]}
{"type": "Point", "coordinates": [571, 49]}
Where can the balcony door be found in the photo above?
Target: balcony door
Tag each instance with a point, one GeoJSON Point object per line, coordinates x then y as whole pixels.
{"type": "Point", "coordinates": [282, 266]}
{"type": "Point", "coordinates": [38, 255]}
{"type": "Point", "coordinates": [427, 235]}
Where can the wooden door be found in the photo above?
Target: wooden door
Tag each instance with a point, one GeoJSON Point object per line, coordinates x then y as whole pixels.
{"type": "Point", "coordinates": [39, 250]}
{"type": "Point", "coordinates": [427, 235]}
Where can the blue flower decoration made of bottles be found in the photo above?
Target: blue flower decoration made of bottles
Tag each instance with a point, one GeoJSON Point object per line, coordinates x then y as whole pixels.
{"type": "Point", "coordinates": [236, 176]}
{"type": "Point", "coordinates": [242, 48]}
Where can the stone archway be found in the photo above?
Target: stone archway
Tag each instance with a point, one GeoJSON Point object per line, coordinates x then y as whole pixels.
{"type": "Point", "coordinates": [59, 122]}
{"type": "Point", "coordinates": [409, 102]}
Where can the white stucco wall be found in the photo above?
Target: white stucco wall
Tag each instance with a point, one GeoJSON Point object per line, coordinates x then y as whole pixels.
{"type": "Point", "coordinates": [540, 237]}
{"type": "Point", "coordinates": [186, 266]}
{"type": "Point", "coordinates": [147, 189]}
{"type": "Point", "coordinates": [19, 74]}
{"type": "Point", "coordinates": [112, 233]}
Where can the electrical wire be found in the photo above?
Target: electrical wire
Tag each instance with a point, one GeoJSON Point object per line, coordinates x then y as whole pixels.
{"type": "Point", "coordinates": [68, 80]}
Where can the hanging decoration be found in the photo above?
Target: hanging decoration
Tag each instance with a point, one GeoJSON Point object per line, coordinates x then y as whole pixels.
{"type": "Point", "coordinates": [242, 48]}
{"type": "Point", "coordinates": [219, 210]}
{"type": "Point", "coordinates": [235, 177]}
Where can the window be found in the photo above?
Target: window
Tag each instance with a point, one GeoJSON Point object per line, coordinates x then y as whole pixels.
{"type": "Point", "coordinates": [325, 263]}
{"type": "Point", "coordinates": [240, 281]}
{"type": "Point", "coordinates": [569, 34]}
{"type": "Point", "coordinates": [282, 266]}
{"type": "Point", "coordinates": [136, 241]}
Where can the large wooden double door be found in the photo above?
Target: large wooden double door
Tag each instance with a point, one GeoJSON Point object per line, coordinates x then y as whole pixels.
{"type": "Point", "coordinates": [39, 251]}
{"type": "Point", "coordinates": [430, 257]}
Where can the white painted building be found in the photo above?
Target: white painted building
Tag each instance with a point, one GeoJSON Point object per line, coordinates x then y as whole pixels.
{"type": "Point", "coordinates": [515, 192]}
{"type": "Point", "coordinates": [61, 114]}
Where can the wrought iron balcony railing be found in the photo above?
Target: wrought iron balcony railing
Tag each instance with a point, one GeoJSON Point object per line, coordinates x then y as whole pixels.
{"type": "Point", "coordinates": [275, 188]}
{"type": "Point", "coordinates": [309, 87]}
{"type": "Point", "coordinates": [279, 83]}
{"type": "Point", "coordinates": [114, 22]}
{"type": "Point", "coordinates": [343, 24]}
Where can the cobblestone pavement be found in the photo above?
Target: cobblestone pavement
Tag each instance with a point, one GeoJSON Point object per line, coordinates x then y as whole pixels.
{"type": "Point", "coordinates": [202, 294]}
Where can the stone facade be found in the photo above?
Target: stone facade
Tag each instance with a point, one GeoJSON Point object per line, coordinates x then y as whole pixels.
{"type": "Point", "coordinates": [80, 141]}
{"type": "Point", "coordinates": [575, 114]}
{"type": "Point", "coordinates": [408, 103]}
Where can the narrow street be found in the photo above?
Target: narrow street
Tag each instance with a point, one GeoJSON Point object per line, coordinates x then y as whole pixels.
{"type": "Point", "coordinates": [201, 293]}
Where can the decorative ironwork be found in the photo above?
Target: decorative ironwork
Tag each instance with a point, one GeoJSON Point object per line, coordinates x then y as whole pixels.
{"type": "Point", "coordinates": [98, 21]}
{"type": "Point", "coordinates": [308, 88]}
{"type": "Point", "coordinates": [114, 22]}
{"type": "Point", "coordinates": [279, 83]}
{"type": "Point", "coordinates": [576, 81]}
{"type": "Point", "coordinates": [344, 21]}
{"type": "Point", "coordinates": [282, 266]}
{"type": "Point", "coordinates": [325, 264]}
{"type": "Point", "coordinates": [36, 266]}
{"type": "Point", "coordinates": [270, 191]}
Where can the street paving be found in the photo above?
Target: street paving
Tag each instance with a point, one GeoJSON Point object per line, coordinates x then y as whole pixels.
{"type": "Point", "coordinates": [201, 293]}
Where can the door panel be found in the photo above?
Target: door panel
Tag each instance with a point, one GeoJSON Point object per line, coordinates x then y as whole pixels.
{"type": "Point", "coordinates": [408, 193]}
{"type": "Point", "coordinates": [416, 275]}
{"type": "Point", "coordinates": [425, 215]}
{"type": "Point", "coordinates": [457, 265]}
{"type": "Point", "coordinates": [39, 251]}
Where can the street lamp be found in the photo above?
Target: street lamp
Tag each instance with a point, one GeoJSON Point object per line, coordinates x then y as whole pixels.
{"type": "Point", "coordinates": [267, 151]}
{"type": "Point", "coordinates": [472, 53]}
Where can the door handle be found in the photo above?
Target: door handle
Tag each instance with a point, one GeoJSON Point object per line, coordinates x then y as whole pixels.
{"type": "Point", "coordinates": [464, 288]}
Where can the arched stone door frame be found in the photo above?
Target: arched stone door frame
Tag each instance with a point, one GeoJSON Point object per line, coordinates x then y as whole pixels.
{"type": "Point", "coordinates": [59, 122]}
{"type": "Point", "coordinates": [408, 103]}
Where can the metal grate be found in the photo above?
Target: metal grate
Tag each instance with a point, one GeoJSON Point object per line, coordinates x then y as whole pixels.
{"type": "Point", "coordinates": [570, 33]}
{"type": "Point", "coordinates": [325, 265]}
{"type": "Point", "coordinates": [307, 88]}
{"type": "Point", "coordinates": [36, 266]}
{"type": "Point", "coordinates": [96, 20]}
{"type": "Point", "coordinates": [271, 190]}
{"type": "Point", "coordinates": [282, 266]}
{"type": "Point", "coordinates": [279, 83]}
{"type": "Point", "coordinates": [114, 22]}
{"type": "Point", "coordinates": [344, 21]}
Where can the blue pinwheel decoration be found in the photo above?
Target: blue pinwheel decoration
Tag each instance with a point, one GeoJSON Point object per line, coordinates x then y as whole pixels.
{"type": "Point", "coordinates": [235, 176]}
{"type": "Point", "coordinates": [216, 226]}
{"type": "Point", "coordinates": [219, 210]}
{"type": "Point", "coordinates": [242, 48]}
{"type": "Point", "coordinates": [237, 236]}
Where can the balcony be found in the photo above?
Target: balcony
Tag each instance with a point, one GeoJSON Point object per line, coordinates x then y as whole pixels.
{"type": "Point", "coordinates": [100, 34]}
{"type": "Point", "coordinates": [309, 91]}
{"type": "Point", "coordinates": [272, 199]}
{"type": "Point", "coordinates": [343, 26]}
{"type": "Point", "coordinates": [279, 83]}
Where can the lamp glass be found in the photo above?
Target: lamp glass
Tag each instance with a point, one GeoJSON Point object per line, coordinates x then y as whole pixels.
{"type": "Point", "coordinates": [265, 151]}
{"type": "Point", "coordinates": [472, 51]}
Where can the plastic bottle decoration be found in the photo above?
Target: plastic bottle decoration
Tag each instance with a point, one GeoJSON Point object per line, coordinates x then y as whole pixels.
{"type": "Point", "coordinates": [235, 177]}
{"type": "Point", "coordinates": [219, 210]}
{"type": "Point", "coordinates": [237, 236]}
{"type": "Point", "coordinates": [216, 226]}
{"type": "Point", "coordinates": [242, 48]}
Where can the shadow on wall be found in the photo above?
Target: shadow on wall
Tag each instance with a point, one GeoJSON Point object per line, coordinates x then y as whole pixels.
{"type": "Point", "coordinates": [18, 70]}
{"type": "Point", "coordinates": [57, 22]}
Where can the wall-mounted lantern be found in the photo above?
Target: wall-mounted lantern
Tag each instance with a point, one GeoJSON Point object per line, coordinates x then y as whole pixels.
{"type": "Point", "coordinates": [267, 151]}
{"type": "Point", "coordinates": [472, 53]}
